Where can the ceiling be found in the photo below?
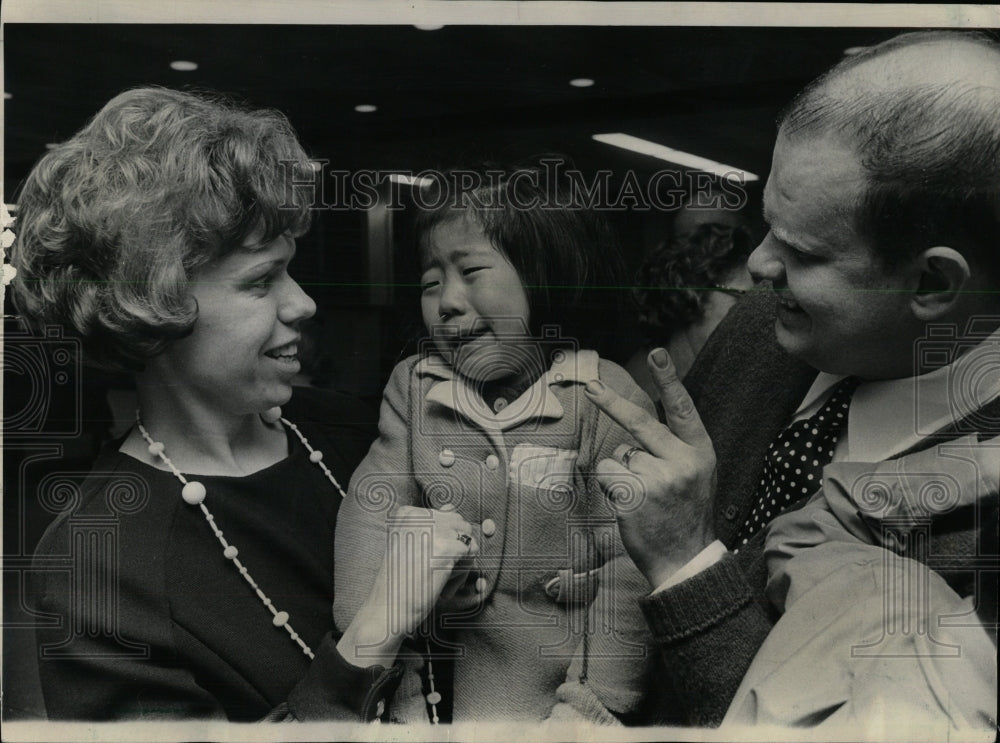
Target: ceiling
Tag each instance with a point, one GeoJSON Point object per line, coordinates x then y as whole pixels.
{"type": "Point", "coordinates": [445, 96]}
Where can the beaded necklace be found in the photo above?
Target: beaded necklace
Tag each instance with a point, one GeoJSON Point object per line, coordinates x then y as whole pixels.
{"type": "Point", "coordinates": [194, 494]}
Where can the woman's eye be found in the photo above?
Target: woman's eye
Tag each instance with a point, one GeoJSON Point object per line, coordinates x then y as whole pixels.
{"type": "Point", "coordinates": [472, 269]}
{"type": "Point", "coordinates": [425, 285]}
{"type": "Point", "coordinates": [262, 283]}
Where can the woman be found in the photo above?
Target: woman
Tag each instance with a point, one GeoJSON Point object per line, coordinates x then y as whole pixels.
{"type": "Point", "coordinates": [161, 237]}
{"type": "Point", "coordinates": [685, 290]}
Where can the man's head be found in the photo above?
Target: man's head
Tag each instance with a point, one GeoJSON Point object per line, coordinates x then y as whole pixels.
{"type": "Point", "coordinates": [884, 202]}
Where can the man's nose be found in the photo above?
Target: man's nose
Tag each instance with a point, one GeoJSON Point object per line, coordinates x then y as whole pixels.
{"type": "Point", "coordinates": [764, 264]}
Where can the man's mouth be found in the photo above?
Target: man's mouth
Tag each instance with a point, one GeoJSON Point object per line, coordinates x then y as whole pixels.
{"type": "Point", "coordinates": [786, 302]}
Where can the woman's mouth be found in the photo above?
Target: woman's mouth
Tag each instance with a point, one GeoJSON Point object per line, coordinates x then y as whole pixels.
{"type": "Point", "coordinates": [287, 353]}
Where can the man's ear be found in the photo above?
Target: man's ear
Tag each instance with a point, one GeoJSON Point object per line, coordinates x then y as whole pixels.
{"type": "Point", "coordinates": [944, 273]}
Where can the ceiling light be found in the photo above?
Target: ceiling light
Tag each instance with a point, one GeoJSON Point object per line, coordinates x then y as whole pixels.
{"type": "Point", "coordinates": [51, 145]}
{"type": "Point", "coordinates": [852, 50]}
{"type": "Point", "coordinates": [428, 26]}
{"type": "Point", "coordinates": [581, 82]}
{"type": "Point", "coordinates": [410, 180]}
{"type": "Point", "coordinates": [365, 108]}
{"type": "Point", "coordinates": [7, 96]}
{"type": "Point", "coordinates": [644, 146]}
{"type": "Point", "coordinates": [183, 65]}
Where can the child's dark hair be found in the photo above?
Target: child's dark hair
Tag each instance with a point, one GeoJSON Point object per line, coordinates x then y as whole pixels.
{"type": "Point", "coordinates": [566, 254]}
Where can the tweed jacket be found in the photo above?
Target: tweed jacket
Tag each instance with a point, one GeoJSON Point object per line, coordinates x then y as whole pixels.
{"type": "Point", "coordinates": [710, 627]}
{"type": "Point", "coordinates": [549, 545]}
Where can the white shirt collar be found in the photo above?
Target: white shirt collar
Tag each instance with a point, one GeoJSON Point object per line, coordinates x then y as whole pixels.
{"type": "Point", "coordinates": [454, 392]}
{"type": "Point", "coordinates": [889, 416]}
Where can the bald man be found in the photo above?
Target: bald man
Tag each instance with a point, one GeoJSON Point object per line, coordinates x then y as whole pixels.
{"type": "Point", "coordinates": [875, 341]}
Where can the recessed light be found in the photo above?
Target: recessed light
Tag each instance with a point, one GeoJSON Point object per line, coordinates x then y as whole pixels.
{"type": "Point", "coordinates": [365, 108]}
{"type": "Point", "coordinates": [428, 26]}
{"type": "Point", "coordinates": [411, 180]}
{"type": "Point", "coordinates": [581, 82]}
{"type": "Point", "coordinates": [7, 96]}
{"type": "Point", "coordinates": [852, 50]}
{"type": "Point", "coordinates": [653, 149]}
{"type": "Point", "coordinates": [183, 65]}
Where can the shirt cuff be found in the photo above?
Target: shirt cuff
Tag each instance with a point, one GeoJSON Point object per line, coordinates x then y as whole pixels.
{"type": "Point", "coordinates": [706, 558]}
{"type": "Point", "coordinates": [332, 685]}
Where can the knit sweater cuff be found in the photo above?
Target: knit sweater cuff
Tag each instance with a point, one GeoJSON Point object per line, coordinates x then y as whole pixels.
{"type": "Point", "coordinates": [698, 603]}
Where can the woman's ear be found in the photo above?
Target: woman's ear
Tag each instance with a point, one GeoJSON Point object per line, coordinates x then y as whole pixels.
{"type": "Point", "coordinates": [944, 272]}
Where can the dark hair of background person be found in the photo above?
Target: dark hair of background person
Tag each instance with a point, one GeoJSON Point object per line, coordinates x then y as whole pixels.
{"type": "Point", "coordinates": [675, 281]}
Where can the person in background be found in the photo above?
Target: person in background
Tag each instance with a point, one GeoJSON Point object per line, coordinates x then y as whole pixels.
{"type": "Point", "coordinates": [684, 290]}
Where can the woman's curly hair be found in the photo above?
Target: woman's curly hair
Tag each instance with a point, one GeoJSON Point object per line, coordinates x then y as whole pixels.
{"type": "Point", "coordinates": [112, 223]}
{"type": "Point", "coordinates": [673, 281]}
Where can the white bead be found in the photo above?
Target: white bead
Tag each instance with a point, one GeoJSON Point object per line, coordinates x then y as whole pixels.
{"type": "Point", "coordinates": [271, 416]}
{"type": "Point", "coordinates": [193, 493]}
{"type": "Point", "coordinates": [315, 456]}
{"type": "Point", "coordinates": [280, 619]}
{"type": "Point", "coordinates": [156, 449]}
{"type": "Point", "coordinates": [230, 552]}
{"type": "Point", "coordinates": [434, 698]}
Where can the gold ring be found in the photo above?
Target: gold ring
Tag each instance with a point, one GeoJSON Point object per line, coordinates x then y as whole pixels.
{"type": "Point", "coordinates": [629, 453]}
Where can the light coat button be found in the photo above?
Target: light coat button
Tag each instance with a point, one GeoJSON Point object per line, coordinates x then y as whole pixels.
{"type": "Point", "coordinates": [489, 528]}
{"type": "Point", "coordinates": [446, 457]}
{"type": "Point", "coordinates": [492, 462]}
{"type": "Point", "coordinates": [481, 585]}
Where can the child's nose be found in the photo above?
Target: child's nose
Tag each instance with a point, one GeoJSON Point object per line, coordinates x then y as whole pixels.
{"type": "Point", "coordinates": [453, 301]}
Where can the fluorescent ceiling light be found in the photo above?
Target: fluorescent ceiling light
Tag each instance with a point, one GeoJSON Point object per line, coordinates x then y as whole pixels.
{"type": "Point", "coordinates": [409, 180]}
{"type": "Point", "coordinates": [428, 26]}
{"type": "Point", "coordinates": [365, 108]}
{"type": "Point", "coordinates": [182, 65]}
{"type": "Point", "coordinates": [581, 82]}
{"type": "Point", "coordinates": [645, 147]}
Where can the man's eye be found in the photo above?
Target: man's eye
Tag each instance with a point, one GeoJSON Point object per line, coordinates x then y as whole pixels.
{"type": "Point", "coordinates": [425, 285]}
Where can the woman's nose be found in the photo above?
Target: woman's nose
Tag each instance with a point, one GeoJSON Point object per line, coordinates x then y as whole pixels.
{"type": "Point", "coordinates": [764, 263]}
{"type": "Point", "coordinates": [296, 305]}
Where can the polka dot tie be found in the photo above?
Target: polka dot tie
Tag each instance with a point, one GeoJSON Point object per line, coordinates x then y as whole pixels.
{"type": "Point", "coordinates": [793, 465]}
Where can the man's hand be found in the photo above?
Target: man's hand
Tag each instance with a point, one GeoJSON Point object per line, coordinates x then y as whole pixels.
{"type": "Point", "coordinates": [665, 491]}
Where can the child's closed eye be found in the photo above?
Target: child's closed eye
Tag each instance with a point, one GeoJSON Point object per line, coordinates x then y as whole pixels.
{"type": "Point", "coordinates": [473, 269]}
